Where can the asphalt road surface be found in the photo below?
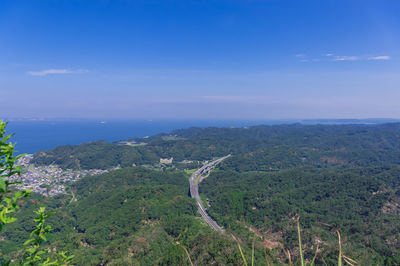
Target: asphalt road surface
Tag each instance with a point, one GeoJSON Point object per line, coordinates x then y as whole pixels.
{"type": "Point", "coordinates": [195, 179]}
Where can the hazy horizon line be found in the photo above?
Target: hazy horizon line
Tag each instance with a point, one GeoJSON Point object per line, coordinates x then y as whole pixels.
{"type": "Point", "coordinates": [5, 118]}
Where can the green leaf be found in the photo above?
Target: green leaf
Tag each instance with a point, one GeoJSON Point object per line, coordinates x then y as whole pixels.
{"type": "Point", "coordinates": [7, 201]}
{"type": "Point", "coordinates": [2, 185]}
{"type": "Point", "coordinates": [31, 250]}
{"type": "Point", "coordinates": [40, 252]}
{"type": "Point", "coordinates": [43, 237]}
{"type": "Point", "coordinates": [28, 241]}
{"type": "Point", "coordinates": [11, 219]}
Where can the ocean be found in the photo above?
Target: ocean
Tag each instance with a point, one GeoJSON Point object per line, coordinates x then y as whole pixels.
{"type": "Point", "coordinates": [32, 136]}
{"type": "Point", "coordinates": [36, 135]}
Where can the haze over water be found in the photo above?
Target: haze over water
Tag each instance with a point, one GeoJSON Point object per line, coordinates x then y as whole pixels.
{"type": "Point", "coordinates": [33, 136]}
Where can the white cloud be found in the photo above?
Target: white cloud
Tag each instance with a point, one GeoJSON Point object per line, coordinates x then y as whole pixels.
{"type": "Point", "coordinates": [346, 58]}
{"type": "Point", "coordinates": [301, 55]}
{"type": "Point", "coordinates": [328, 54]}
{"type": "Point", "coordinates": [380, 57]}
{"type": "Point", "coordinates": [56, 71]}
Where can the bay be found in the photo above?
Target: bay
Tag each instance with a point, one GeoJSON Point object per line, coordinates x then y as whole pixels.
{"type": "Point", "coordinates": [32, 136]}
{"type": "Point", "coordinates": [35, 135]}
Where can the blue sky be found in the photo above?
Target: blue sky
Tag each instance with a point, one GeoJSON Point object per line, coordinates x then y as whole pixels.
{"type": "Point", "coordinates": [200, 59]}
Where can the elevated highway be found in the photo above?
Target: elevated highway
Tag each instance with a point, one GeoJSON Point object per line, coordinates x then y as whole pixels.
{"type": "Point", "coordinates": [195, 179]}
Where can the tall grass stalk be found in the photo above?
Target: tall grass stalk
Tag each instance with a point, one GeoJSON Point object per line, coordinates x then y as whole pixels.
{"type": "Point", "coordinates": [350, 261]}
{"type": "Point", "coordinates": [289, 257]}
{"type": "Point", "coordinates": [266, 257]}
{"type": "Point", "coordinates": [340, 250]}
{"type": "Point", "coordinates": [187, 253]}
{"type": "Point", "coordinates": [300, 246]}
{"type": "Point", "coordinates": [240, 249]}
{"type": "Point", "coordinates": [315, 256]}
{"type": "Point", "coordinates": [323, 260]}
{"type": "Point", "coordinates": [252, 250]}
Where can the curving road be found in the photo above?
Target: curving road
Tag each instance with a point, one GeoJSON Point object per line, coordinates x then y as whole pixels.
{"type": "Point", "coordinates": [194, 180]}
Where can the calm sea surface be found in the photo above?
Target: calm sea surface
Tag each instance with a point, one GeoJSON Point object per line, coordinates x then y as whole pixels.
{"type": "Point", "coordinates": [33, 136]}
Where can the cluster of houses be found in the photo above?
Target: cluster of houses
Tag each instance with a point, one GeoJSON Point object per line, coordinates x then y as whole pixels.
{"type": "Point", "coordinates": [48, 180]}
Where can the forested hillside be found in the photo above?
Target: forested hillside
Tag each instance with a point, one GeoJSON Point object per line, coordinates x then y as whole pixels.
{"type": "Point", "coordinates": [360, 202]}
{"type": "Point", "coordinates": [130, 216]}
{"type": "Point", "coordinates": [255, 148]}
{"type": "Point", "coordinates": [342, 178]}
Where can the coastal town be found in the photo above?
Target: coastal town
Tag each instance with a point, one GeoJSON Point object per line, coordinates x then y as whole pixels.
{"type": "Point", "coordinates": [48, 180]}
{"type": "Point", "coordinates": [51, 180]}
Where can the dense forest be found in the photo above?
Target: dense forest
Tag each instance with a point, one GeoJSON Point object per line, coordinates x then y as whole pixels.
{"type": "Point", "coordinates": [342, 178]}
{"type": "Point", "coordinates": [258, 148]}
{"type": "Point", "coordinates": [130, 216]}
{"type": "Point", "coordinates": [360, 202]}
